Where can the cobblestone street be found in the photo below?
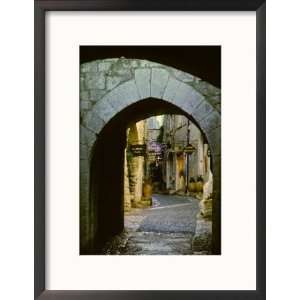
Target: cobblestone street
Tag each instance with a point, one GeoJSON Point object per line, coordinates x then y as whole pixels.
{"type": "Point", "coordinates": [167, 228]}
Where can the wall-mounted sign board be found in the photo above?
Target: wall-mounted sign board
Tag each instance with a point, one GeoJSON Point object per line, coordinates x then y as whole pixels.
{"type": "Point", "coordinates": [138, 150]}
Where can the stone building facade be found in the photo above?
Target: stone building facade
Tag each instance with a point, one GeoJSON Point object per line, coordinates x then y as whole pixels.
{"type": "Point", "coordinates": [154, 129]}
{"type": "Point", "coordinates": [179, 132]}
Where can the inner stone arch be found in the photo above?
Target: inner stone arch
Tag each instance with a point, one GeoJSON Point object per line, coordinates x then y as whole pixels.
{"type": "Point", "coordinates": [115, 91]}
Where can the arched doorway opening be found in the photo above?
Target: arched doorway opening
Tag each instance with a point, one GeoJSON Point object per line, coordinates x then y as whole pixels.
{"type": "Point", "coordinates": [154, 89]}
{"type": "Point", "coordinates": [106, 191]}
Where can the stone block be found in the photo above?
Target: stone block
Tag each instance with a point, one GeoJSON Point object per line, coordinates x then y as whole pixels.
{"type": "Point", "coordinates": [93, 122]}
{"type": "Point", "coordinates": [96, 94]}
{"type": "Point", "coordinates": [84, 179]}
{"type": "Point", "coordinates": [218, 107]}
{"type": "Point", "coordinates": [104, 66]}
{"type": "Point", "coordinates": [214, 140]}
{"type": "Point", "coordinates": [113, 81]}
{"type": "Point", "coordinates": [159, 80]}
{"type": "Point", "coordinates": [182, 76]}
{"type": "Point", "coordinates": [87, 137]}
{"type": "Point", "coordinates": [111, 60]}
{"type": "Point", "coordinates": [126, 74]}
{"type": "Point", "coordinates": [85, 105]}
{"type": "Point", "coordinates": [171, 89]}
{"type": "Point", "coordinates": [215, 99]}
{"type": "Point", "coordinates": [95, 80]}
{"type": "Point", "coordinates": [82, 82]}
{"type": "Point", "coordinates": [142, 80]}
{"type": "Point", "coordinates": [201, 111]}
{"type": "Point", "coordinates": [84, 95]}
{"type": "Point", "coordinates": [195, 95]}
{"type": "Point", "coordinates": [206, 88]}
{"type": "Point", "coordinates": [104, 109]}
{"type": "Point", "coordinates": [84, 151]}
{"type": "Point", "coordinates": [134, 63]}
{"type": "Point", "coordinates": [187, 98]}
{"type": "Point", "coordinates": [84, 193]}
{"type": "Point", "coordinates": [124, 63]}
{"type": "Point", "coordinates": [84, 166]}
{"type": "Point", "coordinates": [211, 121]}
{"type": "Point", "coordinates": [89, 67]}
{"type": "Point", "coordinates": [124, 95]}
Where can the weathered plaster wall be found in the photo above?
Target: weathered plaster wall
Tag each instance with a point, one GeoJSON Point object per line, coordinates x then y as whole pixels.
{"type": "Point", "coordinates": [175, 133]}
{"type": "Point", "coordinates": [136, 164]}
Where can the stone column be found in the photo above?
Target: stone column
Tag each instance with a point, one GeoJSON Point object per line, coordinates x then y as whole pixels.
{"type": "Point", "coordinates": [138, 179]}
{"type": "Point", "coordinates": [136, 164]}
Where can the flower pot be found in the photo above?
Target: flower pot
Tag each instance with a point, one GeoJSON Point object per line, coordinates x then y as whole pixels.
{"type": "Point", "coordinates": [147, 190]}
{"type": "Point", "coordinates": [192, 187]}
{"type": "Point", "coordinates": [199, 186]}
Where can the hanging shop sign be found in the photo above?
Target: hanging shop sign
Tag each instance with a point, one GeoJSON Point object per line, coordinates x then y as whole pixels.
{"type": "Point", "coordinates": [189, 149]}
{"type": "Point", "coordinates": [138, 149]}
{"type": "Point", "coordinates": [155, 147]}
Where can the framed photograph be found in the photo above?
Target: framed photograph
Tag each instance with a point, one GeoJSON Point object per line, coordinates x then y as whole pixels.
{"type": "Point", "coordinates": [150, 150]}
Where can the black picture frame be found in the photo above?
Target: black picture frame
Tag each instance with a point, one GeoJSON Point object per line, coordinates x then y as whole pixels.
{"type": "Point", "coordinates": [41, 7]}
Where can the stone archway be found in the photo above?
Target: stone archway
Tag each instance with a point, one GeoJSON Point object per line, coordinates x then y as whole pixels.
{"type": "Point", "coordinates": [110, 86]}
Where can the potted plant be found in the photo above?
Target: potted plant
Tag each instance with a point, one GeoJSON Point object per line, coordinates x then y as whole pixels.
{"type": "Point", "coordinates": [147, 188]}
{"type": "Point", "coordinates": [199, 184]}
{"type": "Point", "coordinates": [181, 181]}
{"type": "Point", "coordinates": [192, 185]}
